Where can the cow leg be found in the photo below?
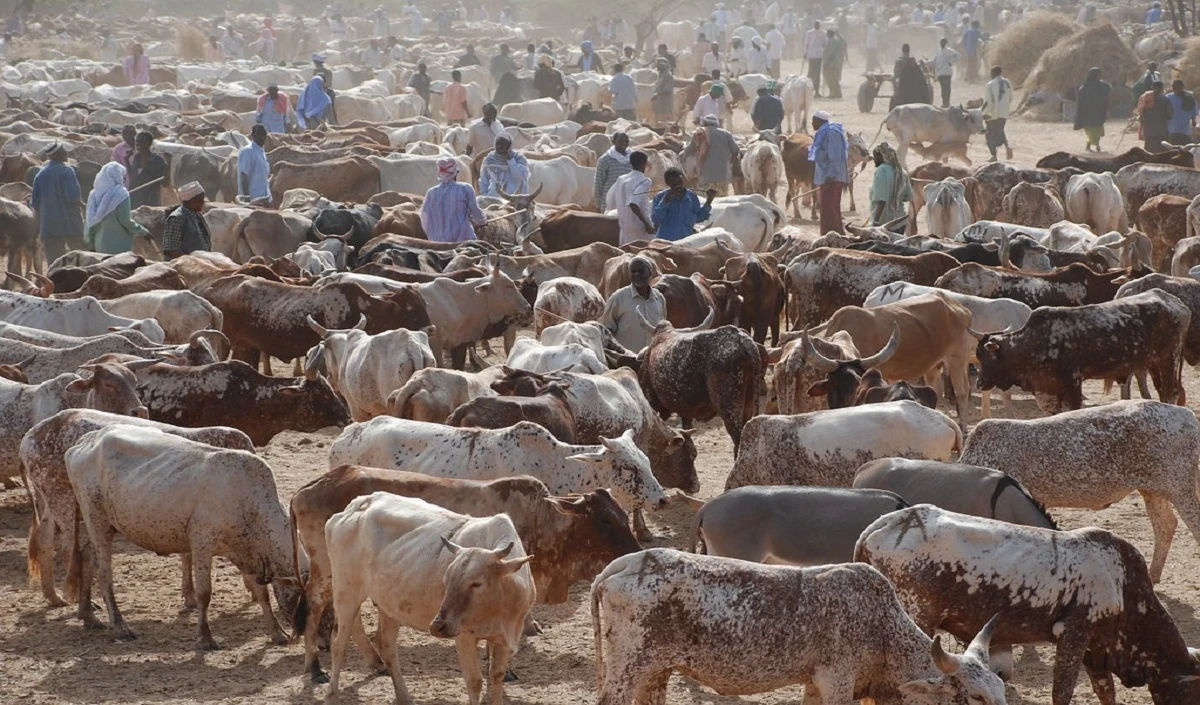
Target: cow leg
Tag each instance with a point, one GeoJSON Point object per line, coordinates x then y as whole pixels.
{"type": "Point", "coordinates": [202, 567]}
{"type": "Point", "coordinates": [316, 595]}
{"type": "Point", "coordinates": [1102, 686]}
{"type": "Point", "coordinates": [262, 597]}
{"type": "Point", "coordinates": [468, 662]}
{"type": "Point", "coordinates": [850, 188]}
{"type": "Point", "coordinates": [654, 690]}
{"type": "Point", "coordinates": [347, 611]}
{"type": "Point", "coordinates": [1126, 390]}
{"type": "Point", "coordinates": [389, 630]}
{"type": "Point", "coordinates": [458, 357]}
{"type": "Point", "coordinates": [188, 588]}
{"type": "Point", "coordinates": [960, 382]}
{"type": "Point", "coordinates": [297, 368]}
{"type": "Point", "coordinates": [1164, 523]}
{"type": "Point", "coordinates": [102, 546]}
{"type": "Point", "coordinates": [1068, 657]}
{"type": "Point", "coordinates": [832, 687]}
{"type": "Point", "coordinates": [985, 404]}
{"type": "Point", "coordinates": [1166, 382]}
{"type": "Point", "coordinates": [41, 552]}
{"type": "Point", "coordinates": [87, 572]}
{"type": "Point", "coordinates": [510, 337]}
{"type": "Point", "coordinates": [497, 669]}
{"type": "Point", "coordinates": [640, 530]}
{"type": "Point", "coordinates": [366, 646]}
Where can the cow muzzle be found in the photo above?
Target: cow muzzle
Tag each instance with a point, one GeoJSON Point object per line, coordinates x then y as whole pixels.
{"type": "Point", "coordinates": [141, 412]}
{"type": "Point", "coordinates": [439, 627]}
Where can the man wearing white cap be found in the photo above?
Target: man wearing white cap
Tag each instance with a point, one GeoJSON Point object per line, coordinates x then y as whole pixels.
{"type": "Point", "coordinates": [829, 154]}
{"type": "Point", "coordinates": [58, 203]}
{"type": "Point", "coordinates": [450, 211]}
{"type": "Point", "coordinates": [185, 231]}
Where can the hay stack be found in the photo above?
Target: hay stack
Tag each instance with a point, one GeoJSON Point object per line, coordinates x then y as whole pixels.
{"type": "Point", "coordinates": [1188, 67]}
{"type": "Point", "coordinates": [190, 42]}
{"type": "Point", "coordinates": [1066, 64]}
{"type": "Point", "coordinates": [1018, 48]}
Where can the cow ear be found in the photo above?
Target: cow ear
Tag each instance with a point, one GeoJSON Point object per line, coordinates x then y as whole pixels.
{"type": "Point", "coordinates": [292, 392]}
{"type": "Point", "coordinates": [569, 506]}
{"type": "Point", "coordinates": [483, 287]}
{"type": "Point", "coordinates": [819, 389]}
{"type": "Point", "coordinates": [80, 386]}
{"type": "Point", "coordinates": [929, 691]}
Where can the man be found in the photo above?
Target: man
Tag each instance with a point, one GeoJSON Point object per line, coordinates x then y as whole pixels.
{"type": "Point", "coordinates": [631, 307]}
{"type": "Point", "coordinates": [529, 61]}
{"type": "Point", "coordinates": [997, 100]}
{"type": "Point", "coordinates": [547, 80]}
{"type": "Point", "coordinates": [971, 41]}
{"type": "Point", "coordinates": [317, 109]}
{"type": "Point", "coordinates": [664, 93]}
{"type": "Point", "coordinates": [380, 24]}
{"type": "Point", "coordinates": [630, 198]}
{"type": "Point", "coordinates": [712, 61]}
{"type": "Point", "coordinates": [909, 82]}
{"type": "Point", "coordinates": [918, 15]}
{"type": "Point", "coordinates": [776, 42]}
{"type": "Point", "coordinates": [832, 62]}
{"type": "Point", "coordinates": [122, 151]}
{"type": "Point", "coordinates": [420, 82]}
{"type": "Point", "coordinates": [718, 156]}
{"type": "Point", "coordinates": [137, 67]}
{"type": "Point", "coordinates": [273, 109]}
{"type": "Point", "coordinates": [504, 170]}
{"type": "Point", "coordinates": [146, 167]}
{"type": "Point", "coordinates": [767, 111]}
{"type": "Point", "coordinates": [611, 166]}
{"type": "Point", "coordinates": [677, 210]}
{"type": "Point", "coordinates": [872, 47]}
{"type": "Point", "coordinates": [450, 208]}
{"type": "Point", "coordinates": [483, 132]}
{"type": "Point", "coordinates": [624, 93]}
{"type": "Point", "coordinates": [372, 56]}
{"type": "Point", "coordinates": [1146, 82]}
{"type": "Point", "coordinates": [1154, 115]}
{"type": "Point", "coordinates": [254, 173]}
{"type": "Point", "coordinates": [454, 100]}
{"type": "Point", "coordinates": [890, 189]}
{"type": "Point", "coordinates": [711, 104]}
{"type": "Point", "coordinates": [664, 54]}
{"type": "Point", "coordinates": [185, 231]}
{"type": "Point", "coordinates": [829, 154]}
{"type": "Point", "coordinates": [588, 59]}
{"type": "Point", "coordinates": [814, 49]}
{"type": "Point", "coordinates": [110, 48]}
{"type": "Point", "coordinates": [1091, 108]}
{"type": "Point", "coordinates": [57, 202]}
{"type": "Point", "coordinates": [469, 58]}
{"type": "Point", "coordinates": [502, 63]}
{"type": "Point", "coordinates": [1154, 14]}
{"type": "Point", "coordinates": [789, 24]}
{"type": "Point", "coordinates": [629, 58]}
{"type": "Point", "coordinates": [943, 68]}
{"type": "Point", "coordinates": [757, 60]}
{"type": "Point", "coordinates": [1183, 118]}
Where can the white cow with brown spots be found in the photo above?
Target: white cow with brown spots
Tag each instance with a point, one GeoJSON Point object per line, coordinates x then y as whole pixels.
{"type": "Point", "coordinates": [741, 628]}
{"type": "Point", "coordinates": [171, 495]}
{"type": "Point", "coordinates": [428, 568]}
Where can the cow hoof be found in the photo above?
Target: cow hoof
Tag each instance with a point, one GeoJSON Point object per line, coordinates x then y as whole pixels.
{"type": "Point", "coordinates": [207, 645]}
{"type": "Point", "coordinates": [320, 678]}
{"type": "Point", "coordinates": [56, 601]}
{"type": "Point", "coordinates": [126, 636]}
{"type": "Point", "coordinates": [280, 640]}
{"type": "Point", "coordinates": [532, 628]}
{"type": "Point", "coordinates": [510, 676]}
{"type": "Point", "coordinates": [94, 626]}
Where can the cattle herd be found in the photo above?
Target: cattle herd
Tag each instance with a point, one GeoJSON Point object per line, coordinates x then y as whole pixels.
{"type": "Point", "coordinates": [871, 513]}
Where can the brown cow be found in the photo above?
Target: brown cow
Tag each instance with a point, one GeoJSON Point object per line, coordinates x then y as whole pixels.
{"type": "Point", "coordinates": [567, 229]}
{"type": "Point", "coordinates": [1073, 285]}
{"type": "Point", "coordinates": [547, 407]}
{"type": "Point", "coordinates": [689, 299]}
{"type": "Point", "coordinates": [349, 179]}
{"type": "Point", "coordinates": [150, 278]}
{"type": "Point", "coordinates": [1089, 163]}
{"type": "Point", "coordinates": [761, 289]}
{"type": "Point", "coordinates": [1164, 220]}
{"type": "Point", "coordinates": [707, 260]}
{"type": "Point", "coordinates": [800, 172]}
{"type": "Point", "coordinates": [568, 539]}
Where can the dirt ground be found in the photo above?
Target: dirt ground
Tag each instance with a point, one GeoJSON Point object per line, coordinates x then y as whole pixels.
{"type": "Point", "coordinates": [47, 657]}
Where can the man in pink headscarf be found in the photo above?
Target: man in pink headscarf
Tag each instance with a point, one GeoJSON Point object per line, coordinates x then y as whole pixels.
{"type": "Point", "coordinates": [450, 212]}
{"type": "Point", "coordinates": [137, 67]}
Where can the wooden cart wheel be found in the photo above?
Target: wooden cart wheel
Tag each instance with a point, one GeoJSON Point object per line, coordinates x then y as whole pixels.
{"type": "Point", "coordinates": [866, 95]}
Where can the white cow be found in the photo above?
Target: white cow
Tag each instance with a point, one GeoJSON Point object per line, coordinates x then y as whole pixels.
{"type": "Point", "coordinates": [748, 222]}
{"type": "Point", "coordinates": [433, 392]}
{"type": "Point", "coordinates": [540, 112]}
{"type": "Point", "coordinates": [677, 35]}
{"type": "Point", "coordinates": [486, 454]}
{"type": "Point", "coordinates": [365, 369]}
{"type": "Point", "coordinates": [409, 173]}
{"type": "Point", "coordinates": [180, 313]}
{"type": "Point", "coordinates": [797, 95]}
{"type": "Point", "coordinates": [762, 165]}
{"type": "Point", "coordinates": [946, 209]}
{"type": "Point", "coordinates": [563, 181]}
{"type": "Point", "coordinates": [529, 354]}
{"type": "Point", "coordinates": [590, 335]}
{"type": "Point", "coordinates": [1095, 200]}
{"type": "Point", "coordinates": [400, 137]}
{"type": "Point", "coordinates": [389, 549]}
{"type": "Point", "coordinates": [171, 495]}
{"type": "Point", "coordinates": [312, 261]}
{"type": "Point", "coordinates": [84, 316]}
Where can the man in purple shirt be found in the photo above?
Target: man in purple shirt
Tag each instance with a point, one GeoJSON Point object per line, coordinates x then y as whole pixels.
{"type": "Point", "coordinates": [450, 212]}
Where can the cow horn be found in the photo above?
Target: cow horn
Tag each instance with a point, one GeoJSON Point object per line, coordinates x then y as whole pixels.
{"type": "Point", "coordinates": [45, 286]}
{"type": "Point", "coordinates": [704, 325]}
{"type": "Point", "coordinates": [886, 354]}
{"type": "Point", "coordinates": [314, 362]}
{"type": "Point", "coordinates": [977, 335]}
{"type": "Point", "coordinates": [317, 232]}
{"type": "Point", "coordinates": [944, 661]}
{"type": "Point", "coordinates": [26, 361]}
{"type": "Point", "coordinates": [317, 327]}
{"type": "Point", "coordinates": [219, 342]}
{"type": "Point", "coordinates": [362, 322]}
{"type": "Point", "coordinates": [533, 196]}
{"type": "Point", "coordinates": [982, 642]}
{"type": "Point", "coordinates": [135, 365]}
{"type": "Point", "coordinates": [500, 190]}
{"type": "Point", "coordinates": [504, 550]}
{"type": "Point", "coordinates": [450, 545]}
{"type": "Point", "coordinates": [814, 356]}
{"type": "Point", "coordinates": [1005, 251]}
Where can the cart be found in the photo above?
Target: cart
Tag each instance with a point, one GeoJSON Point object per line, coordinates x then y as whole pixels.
{"type": "Point", "coordinates": [868, 91]}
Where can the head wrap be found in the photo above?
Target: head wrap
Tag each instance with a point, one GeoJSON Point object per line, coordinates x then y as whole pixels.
{"type": "Point", "coordinates": [318, 57]}
{"type": "Point", "coordinates": [772, 86]}
{"type": "Point", "coordinates": [108, 192]}
{"type": "Point", "coordinates": [51, 149]}
{"type": "Point", "coordinates": [822, 115]}
{"type": "Point", "coordinates": [718, 88]}
{"type": "Point", "coordinates": [447, 169]}
{"type": "Point", "coordinates": [190, 190]}
{"type": "Point", "coordinates": [586, 46]}
{"type": "Point", "coordinates": [710, 121]}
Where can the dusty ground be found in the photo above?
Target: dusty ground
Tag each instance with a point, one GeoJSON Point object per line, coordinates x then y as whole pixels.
{"type": "Point", "coordinates": [46, 657]}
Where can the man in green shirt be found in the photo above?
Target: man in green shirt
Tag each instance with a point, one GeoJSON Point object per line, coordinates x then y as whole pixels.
{"type": "Point", "coordinates": [890, 189]}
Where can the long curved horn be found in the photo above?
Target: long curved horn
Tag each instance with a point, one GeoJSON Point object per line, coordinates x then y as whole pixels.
{"type": "Point", "coordinates": [1005, 251]}
{"type": "Point", "coordinates": [219, 342]}
{"type": "Point", "coordinates": [886, 354]}
{"type": "Point", "coordinates": [500, 190]}
{"type": "Point", "coordinates": [983, 640]}
{"type": "Point", "coordinates": [814, 356]}
{"type": "Point", "coordinates": [945, 662]}
{"type": "Point", "coordinates": [317, 232]}
{"type": "Point", "coordinates": [362, 322]}
{"type": "Point", "coordinates": [317, 327]}
{"type": "Point", "coordinates": [533, 196]}
{"type": "Point", "coordinates": [704, 325]}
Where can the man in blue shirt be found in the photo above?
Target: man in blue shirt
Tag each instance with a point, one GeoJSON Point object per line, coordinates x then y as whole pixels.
{"type": "Point", "coordinates": [1154, 14]}
{"type": "Point", "coordinates": [971, 40]}
{"type": "Point", "coordinates": [1183, 117]}
{"type": "Point", "coordinates": [678, 209]}
{"type": "Point", "coordinates": [254, 173]}
{"type": "Point", "coordinates": [58, 203]}
{"type": "Point", "coordinates": [829, 154]}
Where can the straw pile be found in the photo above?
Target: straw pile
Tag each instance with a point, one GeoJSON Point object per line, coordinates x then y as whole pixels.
{"type": "Point", "coordinates": [1018, 48]}
{"type": "Point", "coordinates": [1066, 64]}
{"type": "Point", "coordinates": [1188, 67]}
{"type": "Point", "coordinates": [190, 42]}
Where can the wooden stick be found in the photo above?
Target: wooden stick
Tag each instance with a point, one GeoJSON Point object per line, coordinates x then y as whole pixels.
{"type": "Point", "coordinates": [148, 183]}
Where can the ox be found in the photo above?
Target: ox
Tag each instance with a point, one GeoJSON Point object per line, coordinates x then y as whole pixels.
{"type": "Point", "coordinates": [82, 317]}
{"type": "Point", "coordinates": [925, 123]}
{"type": "Point", "coordinates": [946, 212]}
{"type": "Point", "coordinates": [1095, 200]}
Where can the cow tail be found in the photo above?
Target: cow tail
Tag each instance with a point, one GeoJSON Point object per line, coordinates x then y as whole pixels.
{"type": "Point", "coordinates": [300, 614]}
{"type": "Point", "coordinates": [33, 552]}
{"type": "Point", "coordinates": [597, 637]}
{"type": "Point", "coordinates": [695, 539]}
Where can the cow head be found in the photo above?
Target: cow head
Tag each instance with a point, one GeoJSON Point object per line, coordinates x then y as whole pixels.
{"type": "Point", "coordinates": [313, 405]}
{"type": "Point", "coordinates": [504, 300]}
{"type": "Point", "coordinates": [523, 204]}
{"type": "Point", "coordinates": [623, 466]}
{"type": "Point", "coordinates": [843, 378]}
{"type": "Point", "coordinates": [962, 679]}
{"type": "Point", "coordinates": [112, 387]}
{"type": "Point", "coordinates": [599, 533]}
{"type": "Point", "coordinates": [476, 582]}
{"type": "Point", "coordinates": [995, 369]}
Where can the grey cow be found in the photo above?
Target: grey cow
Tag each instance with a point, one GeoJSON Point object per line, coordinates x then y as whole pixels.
{"type": "Point", "coordinates": [965, 489]}
{"type": "Point", "coordinates": [804, 526]}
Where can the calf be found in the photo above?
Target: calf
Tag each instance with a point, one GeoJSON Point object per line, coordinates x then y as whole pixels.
{"type": "Point", "coordinates": [432, 393]}
{"type": "Point", "coordinates": [725, 632]}
{"type": "Point", "coordinates": [388, 549]}
{"type": "Point", "coordinates": [548, 408]}
{"type": "Point", "coordinates": [802, 526]}
{"type": "Point", "coordinates": [1087, 591]}
{"type": "Point", "coordinates": [485, 454]}
{"type": "Point", "coordinates": [171, 495]}
{"type": "Point", "coordinates": [1056, 350]}
{"type": "Point", "coordinates": [570, 539]}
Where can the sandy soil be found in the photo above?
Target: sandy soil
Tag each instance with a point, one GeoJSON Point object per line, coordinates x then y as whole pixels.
{"type": "Point", "coordinates": [46, 657]}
